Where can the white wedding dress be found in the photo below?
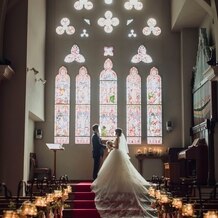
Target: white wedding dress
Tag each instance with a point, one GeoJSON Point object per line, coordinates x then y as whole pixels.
{"type": "Point", "coordinates": [120, 191]}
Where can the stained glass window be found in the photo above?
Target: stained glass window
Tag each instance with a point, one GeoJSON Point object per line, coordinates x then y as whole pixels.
{"type": "Point", "coordinates": [74, 55]}
{"type": "Point", "coordinates": [133, 99]}
{"type": "Point", "coordinates": [62, 107]}
{"type": "Point", "coordinates": [65, 26]}
{"type": "Point", "coordinates": [108, 21]}
{"type": "Point", "coordinates": [137, 124]}
{"type": "Point", "coordinates": [141, 56]}
{"type": "Point", "coordinates": [108, 101]}
{"type": "Point", "coordinates": [133, 4]}
{"type": "Point", "coordinates": [80, 4]}
{"type": "Point", "coordinates": [82, 116]}
{"type": "Point", "coordinates": [154, 108]}
{"type": "Point", "coordinates": [151, 28]}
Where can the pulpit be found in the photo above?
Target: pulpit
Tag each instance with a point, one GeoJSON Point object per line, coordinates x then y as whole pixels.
{"type": "Point", "coordinates": [55, 148]}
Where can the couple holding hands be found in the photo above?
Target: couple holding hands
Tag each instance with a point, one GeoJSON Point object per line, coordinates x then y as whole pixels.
{"type": "Point", "coordinates": [99, 147]}
{"type": "Point", "coordinates": [118, 186]}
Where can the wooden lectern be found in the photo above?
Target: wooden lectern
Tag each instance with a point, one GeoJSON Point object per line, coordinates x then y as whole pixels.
{"type": "Point", "coordinates": [54, 148]}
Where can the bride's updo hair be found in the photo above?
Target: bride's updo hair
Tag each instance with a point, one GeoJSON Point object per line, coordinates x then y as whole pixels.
{"type": "Point", "coordinates": [118, 132]}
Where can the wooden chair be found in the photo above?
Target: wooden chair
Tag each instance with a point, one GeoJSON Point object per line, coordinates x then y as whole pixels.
{"type": "Point", "coordinates": [38, 172]}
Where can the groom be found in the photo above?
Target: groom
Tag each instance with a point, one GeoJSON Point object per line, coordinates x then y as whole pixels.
{"type": "Point", "coordinates": [98, 149]}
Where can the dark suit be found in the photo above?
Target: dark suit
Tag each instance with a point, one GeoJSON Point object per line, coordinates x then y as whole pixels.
{"type": "Point", "coordinates": [97, 152]}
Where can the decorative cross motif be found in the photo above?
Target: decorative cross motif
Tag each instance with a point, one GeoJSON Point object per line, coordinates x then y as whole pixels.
{"type": "Point", "coordinates": [65, 22]}
{"type": "Point", "coordinates": [132, 34]}
{"type": "Point", "coordinates": [108, 22]}
{"type": "Point", "coordinates": [74, 56]}
{"type": "Point", "coordinates": [84, 33]}
{"type": "Point", "coordinates": [141, 56]}
{"type": "Point", "coordinates": [108, 51]}
{"type": "Point", "coordinates": [78, 5]}
{"type": "Point", "coordinates": [151, 28]}
{"type": "Point", "coordinates": [130, 4]}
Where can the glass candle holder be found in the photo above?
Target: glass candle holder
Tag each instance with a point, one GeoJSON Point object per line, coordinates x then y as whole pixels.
{"type": "Point", "coordinates": [211, 214]}
{"type": "Point", "coordinates": [40, 201]}
{"type": "Point", "coordinates": [164, 199]}
{"type": "Point", "coordinates": [187, 210]}
{"type": "Point", "coordinates": [69, 188]}
{"type": "Point", "coordinates": [10, 214]}
{"type": "Point", "coordinates": [49, 197]}
{"type": "Point", "coordinates": [28, 209]}
{"type": "Point", "coordinates": [151, 191]}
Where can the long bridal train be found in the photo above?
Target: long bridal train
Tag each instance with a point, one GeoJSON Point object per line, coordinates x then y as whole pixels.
{"type": "Point", "coordinates": [120, 191]}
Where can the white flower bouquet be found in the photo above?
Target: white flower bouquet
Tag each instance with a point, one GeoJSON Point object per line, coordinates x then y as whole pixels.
{"type": "Point", "coordinates": [109, 145]}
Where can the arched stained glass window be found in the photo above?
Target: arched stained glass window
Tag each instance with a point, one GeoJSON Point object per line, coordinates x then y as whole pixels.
{"type": "Point", "coordinates": [108, 101]}
{"type": "Point", "coordinates": [82, 116]}
{"type": "Point", "coordinates": [154, 108]}
{"type": "Point", "coordinates": [133, 110]}
{"type": "Point", "coordinates": [62, 107]}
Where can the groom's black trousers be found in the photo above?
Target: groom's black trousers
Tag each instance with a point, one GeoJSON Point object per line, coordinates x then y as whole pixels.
{"type": "Point", "coordinates": [96, 166]}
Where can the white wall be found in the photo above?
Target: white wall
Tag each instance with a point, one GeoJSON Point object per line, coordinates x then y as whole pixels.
{"type": "Point", "coordinates": [34, 108]}
{"type": "Point", "coordinates": [176, 7]}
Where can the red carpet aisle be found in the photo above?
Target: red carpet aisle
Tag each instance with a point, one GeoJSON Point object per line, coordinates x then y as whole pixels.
{"type": "Point", "coordinates": [83, 205]}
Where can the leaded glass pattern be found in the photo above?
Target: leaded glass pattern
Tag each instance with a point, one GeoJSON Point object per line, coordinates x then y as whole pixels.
{"type": "Point", "coordinates": [108, 21]}
{"type": "Point", "coordinates": [108, 51]}
{"type": "Point", "coordinates": [62, 107]}
{"type": "Point", "coordinates": [141, 56]}
{"type": "Point", "coordinates": [151, 28]}
{"type": "Point", "coordinates": [74, 55]}
{"type": "Point", "coordinates": [133, 4]}
{"type": "Point", "coordinates": [83, 4]}
{"type": "Point", "coordinates": [65, 27]}
{"type": "Point", "coordinates": [133, 112]}
{"type": "Point", "coordinates": [82, 110]}
{"type": "Point", "coordinates": [108, 100]}
{"type": "Point", "coordinates": [154, 108]}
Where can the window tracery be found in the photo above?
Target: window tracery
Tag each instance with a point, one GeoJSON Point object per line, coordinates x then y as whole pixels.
{"type": "Point", "coordinates": [65, 27]}
{"type": "Point", "coordinates": [82, 110]}
{"type": "Point", "coordinates": [133, 113]}
{"type": "Point", "coordinates": [62, 107]}
{"type": "Point", "coordinates": [154, 108]}
{"type": "Point", "coordinates": [108, 100]}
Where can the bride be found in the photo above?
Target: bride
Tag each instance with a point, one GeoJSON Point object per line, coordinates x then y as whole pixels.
{"type": "Point", "coordinates": [120, 191]}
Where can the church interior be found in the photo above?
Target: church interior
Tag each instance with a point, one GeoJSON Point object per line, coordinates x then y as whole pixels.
{"type": "Point", "coordinates": [148, 67]}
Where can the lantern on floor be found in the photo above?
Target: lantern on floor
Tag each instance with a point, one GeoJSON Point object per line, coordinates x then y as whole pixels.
{"type": "Point", "coordinates": [151, 191]}
{"type": "Point", "coordinates": [177, 203]}
{"type": "Point", "coordinates": [211, 214]}
{"type": "Point", "coordinates": [157, 194]}
{"type": "Point", "coordinates": [69, 188]}
{"type": "Point", "coordinates": [40, 201]}
{"type": "Point", "coordinates": [57, 193]}
{"type": "Point", "coordinates": [187, 210]}
{"type": "Point", "coordinates": [10, 214]}
{"type": "Point", "coordinates": [28, 209]}
{"type": "Point", "coordinates": [164, 199]}
{"type": "Point", "coordinates": [49, 198]}
{"type": "Point", "coordinates": [65, 194]}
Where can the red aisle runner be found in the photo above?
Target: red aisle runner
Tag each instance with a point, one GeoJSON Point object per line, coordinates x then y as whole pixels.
{"type": "Point", "coordinates": [83, 203]}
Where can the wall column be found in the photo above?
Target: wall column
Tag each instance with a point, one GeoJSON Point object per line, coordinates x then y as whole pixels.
{"type": "Point", "coordinates": [189, 44]}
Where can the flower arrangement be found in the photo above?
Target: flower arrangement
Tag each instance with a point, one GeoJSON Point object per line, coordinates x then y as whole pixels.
{"type": "Point", "coordinates": [166, 204]}
{"type": "Point", "coordinates": [162, 201]}
{"type": "Point", "coordinates": [109, 145]}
